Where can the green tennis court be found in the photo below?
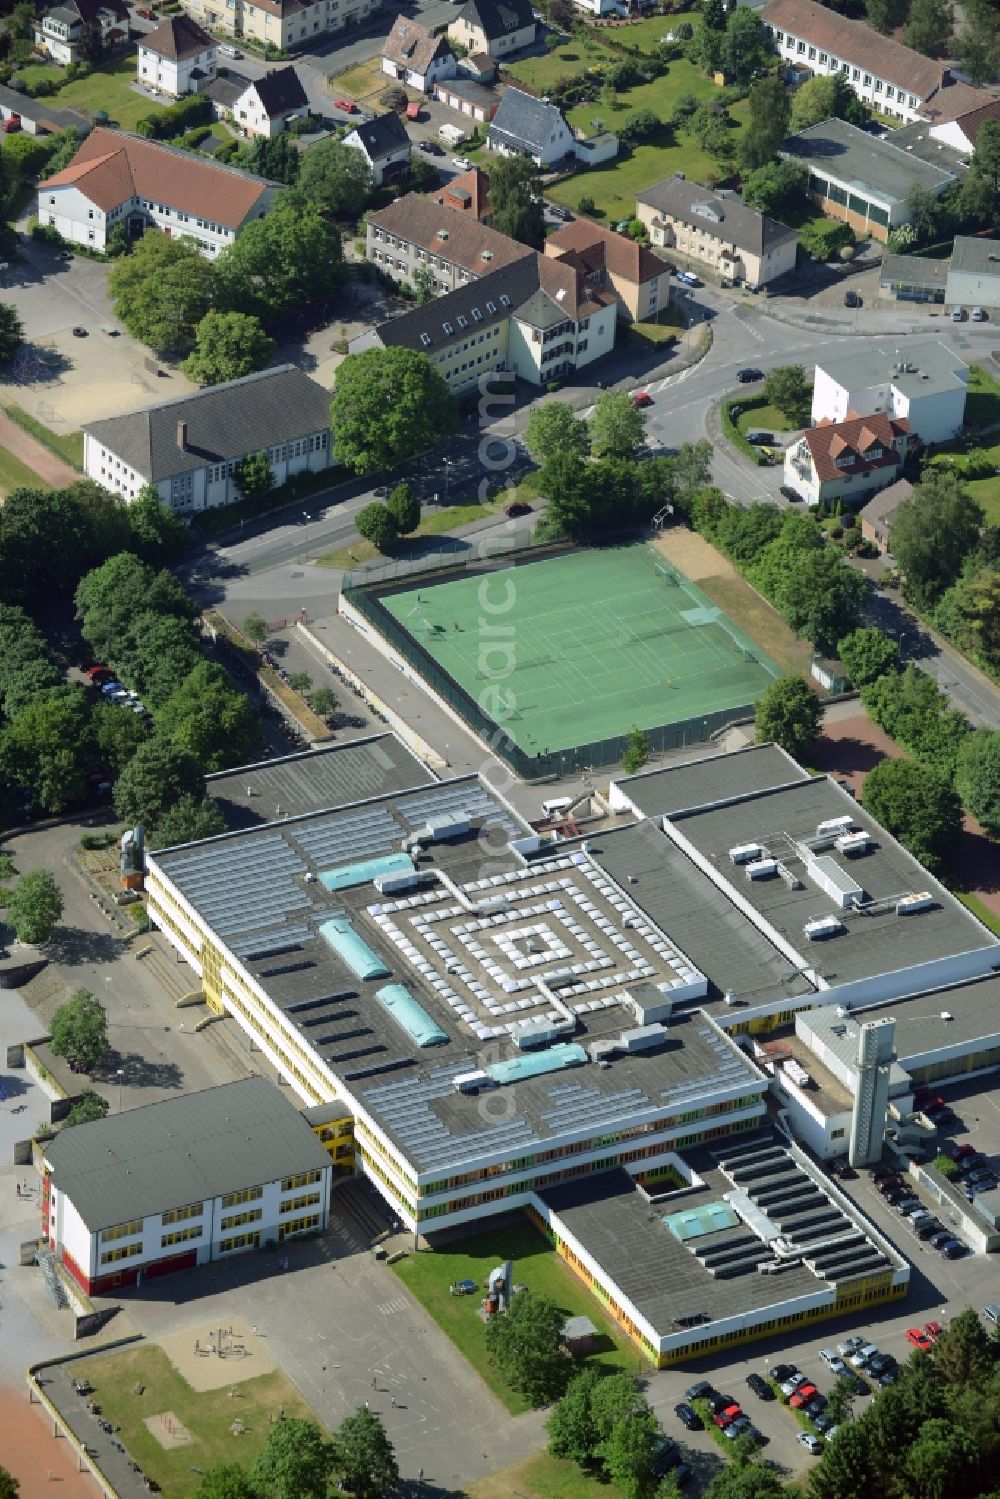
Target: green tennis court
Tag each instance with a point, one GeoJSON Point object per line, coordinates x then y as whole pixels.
{"type": "Point", "coordinates": [567, 650]}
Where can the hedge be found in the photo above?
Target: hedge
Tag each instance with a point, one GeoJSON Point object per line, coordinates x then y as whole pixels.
{"type": "Point", "coordinates": [733, 409]}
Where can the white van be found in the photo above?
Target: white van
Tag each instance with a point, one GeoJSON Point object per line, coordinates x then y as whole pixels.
{"type": "Point", "coordinates": [228, 50]}
{"type": "Point", "coordinates": [556, 805]}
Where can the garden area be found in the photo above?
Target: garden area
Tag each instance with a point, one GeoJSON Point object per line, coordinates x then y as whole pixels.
{"type": "Point", "coordinates": [429, 1276]}
{"type": "Point", "coordinates": [107, 88]}
{"type": "Point", "coordinates": [971, 457]}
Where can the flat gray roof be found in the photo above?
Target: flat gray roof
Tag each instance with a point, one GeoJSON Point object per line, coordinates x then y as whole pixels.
{"type": "Point", "coordinates": [328, 776]}
{"type": "Point", "coordinates": [875, 943]}
{"type": "Point", "coordinates": [913, 270]}
{"type": "Point", "coordinates": [181, 1151]}
{"type": "Point", "coordinates": [701, 919]}
{"type": "Point", "coordinates": [976, 257]}
{"type": "Point", "coordinates": [934, 366]}
{"type": "Point", "coordinates": [662, 1277]}
{"type": "Point", "coordinates": [709, 780]}
{"type": "Point", "coordinates": [973, 1012]}
{"type": "Point", "coordinates": [863, 163]}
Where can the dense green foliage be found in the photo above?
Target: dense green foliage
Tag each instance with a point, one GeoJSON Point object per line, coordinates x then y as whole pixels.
{"type": "Point", "coordinates": [80, 1031]}
{"type": "Point", "coordinates": [388, 405]}
{"type": "Point", "coordinates": [788, 712]}
{"type": "Point", "coordinates": [918, 805]}
{"type": "Point", "coordinates": [524, 1345]}
{"type": "Point", "coordinates": [35, 906]}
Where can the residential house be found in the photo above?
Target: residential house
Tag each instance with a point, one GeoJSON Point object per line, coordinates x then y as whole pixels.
{"type": "Point", "coordinates": [960, 105]}
{"type": "Point", "coordinates": [639, 278]}
{"type": "Point", "coordinates": [860, 179]}
{"type": "Point", "coordinates": [846, 460]}
{"type": "Point", "coordinates": [178, 58]}
{"type": "Point", "coordinates": [40, 116]}
{"type": "Point", "coordinates": [974, 274]}
{"type": "Point", "coordinates": [452, 246]}
{"type": "Point", "coordinates": [497, 27]}
{"type": "Point", "coordinates": [716, 230]}
{"type": "Point", "coordinates": [288, 24]}
{"type": "Point", "coordinates": [925, 384]}
{"type": "Point", "coordinates": [267, 106]}
{"type": "Point", "coordinates": [181, 1183]}
{"type": "Point", "coordinates": [467, 97]}
{"type": "Point", "coordinates": [116, 178]}
{"type": "Point", "coordinates": [468, 193]}
{"type": "Point", "coordinates": [385, 146]}
{"type": "Point", "coordinates": [877, 516]}
{"type": "Point", "coordinates": [538, 319]}
{"type": "Point", "coordinates": [59, 29]}
{"type": "Point", "coordinates": [189, 448]}
{"type": "Point", "coordinates": [526, 126]}
{"type": "Point", "coordinates": [889, 77]}
{"type": "Point", "coordinates": [414, 56]}
{"type": "Point", "coordinates": [912, 278]}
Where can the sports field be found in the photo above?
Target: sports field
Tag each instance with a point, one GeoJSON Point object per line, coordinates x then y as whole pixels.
{"type": "Point", "coordinates": [567, 651]}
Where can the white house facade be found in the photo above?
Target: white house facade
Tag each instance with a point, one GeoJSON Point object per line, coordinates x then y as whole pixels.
{"type": "Point", "coordinates": [178, 58]}
{"type": "Point", "coordinates": [526, 126]}
{"type": "Point", "coordinates": [848, 460]}
{"type": "Point", "coordinates": [414, 56]}
{"type": "Point", "coordinates": [925, 386]}
{"type": "Point", "coordinates": [268, 105]}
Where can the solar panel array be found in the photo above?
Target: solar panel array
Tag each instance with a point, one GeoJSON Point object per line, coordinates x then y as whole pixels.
{"type": "Point", "coordinates": [269, 943]}
{"type": "Point", "coordinates": [404, 1108]}
{"type": "Point", "coordinates": [731, 1069]}
{"type": "Point", "coordinates": [467, 799]}
{"type": "Point", "coordinates": [232, 887]}
{"type": "Point", "coordinates": [343, 839]}
{"type": "Point", "coordinates": [575, 1106]}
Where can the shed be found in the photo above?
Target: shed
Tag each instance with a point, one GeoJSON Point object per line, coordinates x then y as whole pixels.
{"type": "Point", "coordinates": [578, 1335]}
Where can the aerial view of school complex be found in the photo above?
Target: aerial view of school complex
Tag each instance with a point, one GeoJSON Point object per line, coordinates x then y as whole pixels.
{"type": "Point", "coordinates": [500, 749]}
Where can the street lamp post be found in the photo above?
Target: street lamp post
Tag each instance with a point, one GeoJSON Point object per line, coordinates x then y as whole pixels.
{"type": "Point", "coordinates": [121, 1079]}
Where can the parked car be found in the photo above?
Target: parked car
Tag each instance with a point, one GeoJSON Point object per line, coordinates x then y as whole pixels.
{"type": "Point", "coordinates": [723, 1418]}
{"type": "Point", "coordinates": [880, 1363]}
{"type": "Point", "coordinates": [748, 376]}
{"type": "Point", "coordinates": [966, 1150]}
{"type": "Point", "coordinates": [811, 1443]}
{"type": "Point", "coordinates": [738, 1428]}
{"type": "Point", "coordinates": [759, 439]}
{"type": "Point", "coordinates": [688, 278]}
{"type": "Point", "coordinates": [971, 1162]}
{"type": "Point", "coordinates": [958, 314]}
{"type": "Point", "coordinates": [640, 398]}
{"type": "Point", "coordinates": [978, 1188]}
{"type": "Point", "coordinates": [856, 1384]}
{"type": "Point", "coordinates": [803, 1396]}
{"type": "Point", "coordinates": [864, 1353]}
{"type": "Point", "coordinates": [933, 1330]}
{"type": "Point", "coordinates": [760, 1387]}
{"type": "Point", "coordinates": [851, 299]}
{"type": "Point", "coordinates": [936, 1240]}
{"type": "Point", "coordinates": [518, 508]}
{"type": "Point", "coordinates": [698, 1391]}
{"type": "Point", "coordinates": [919, 1339]}
{"type": "Point", "coordinates": [431, 147]}
{"type": "Point", "coordinates": [781, 1372]}
{"type": "Point", "coordinates": [463, 1288]}
{"type": "Point", "coordinates": [832, 1360]}
{"type": "Point", "coordinates": [954, 1249]}
{"type": "Point", "coordinates": [849, 1346]}
{"type": "Point", "coordinates": [462, 162]}
{"type": "Point", "coordinates": [347, 105]}
{"type": "Point", "coordinates": [791, 1384]}
{"type": "Point", "coordinates": [978, 315]}
{"type": "Point", "coordinates": [822, 1423]}
{"type": "Point", "coordinates": [981, 1174]}
{"type": "Point", "coordinates": [718, 1403]}
{"type": "Point", "coordinates": [688, 1417]}
{"type": "Point", "coordinates": [928, 1228]}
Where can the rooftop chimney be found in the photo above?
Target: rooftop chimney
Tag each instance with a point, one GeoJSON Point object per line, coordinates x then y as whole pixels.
{"type": "Point", "coordinates": [182, 436]}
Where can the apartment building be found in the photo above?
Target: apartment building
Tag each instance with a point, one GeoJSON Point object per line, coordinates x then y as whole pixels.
{"type": "Point", "coordinates": [288, 24]}
{"type": "Point", "coordinates": [454, 248]}
{"type": "Point", "coordinates": [58, 29]}
{"type": "Point", "coordinates": [847, 460]}
{"type": "Point", "coordinates": [178, 58]}
{"type": "Point", "coordinates": [639, 278]}
{"type": "Point", "coordinates": [116, 178]}
{"type": "Point", "coordinates": [716, 230]}
{"type": "Point", "coordinates": [924, 384]}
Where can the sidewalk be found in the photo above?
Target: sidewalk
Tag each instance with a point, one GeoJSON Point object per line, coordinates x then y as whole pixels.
{"type": "Point", "coordinates": [45, 464]}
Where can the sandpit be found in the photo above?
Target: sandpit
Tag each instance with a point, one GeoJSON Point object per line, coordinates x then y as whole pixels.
{"type": "Point", "coordinates": [212, 1355]}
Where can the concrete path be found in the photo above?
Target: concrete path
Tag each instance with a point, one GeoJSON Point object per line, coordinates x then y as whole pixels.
{"type": "Point", "coordinates": [45, 464]}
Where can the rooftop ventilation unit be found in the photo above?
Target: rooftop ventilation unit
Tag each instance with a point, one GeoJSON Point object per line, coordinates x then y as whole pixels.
{"type": "Point", "coordinates": [947, 1015]}
{"type": "Point", "coordinates": [911, 904]}
{"type": "Point", "coordinates": [822, 928]}
{"type": "Point", "coordinates": [471, 1082]}
{"type": "Point", "coordinates": [835, 882]}
{"type": "Point", "coordinates": [643, 1038]}
{"type": "Point", "coordinates": [746, 853]}
{"type": "Point", "coordinates": [761, 869]}
{"type": "Point", "coordinates": [834, 825]}
{"type": "Point", "coordinates": [853, 844]}
{"type": "Point", "coordinates": [436, 829]}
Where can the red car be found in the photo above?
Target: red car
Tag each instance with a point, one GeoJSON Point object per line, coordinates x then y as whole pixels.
{"type": "Point", "coordinates": [727, 1417]}
{"type": "Point", "coordinates": [933, 1330]}
{"type": "Point", "coordinates": [803, 1395]}
{"type": "Point", "coordinates": [919, 1339]}
{"type": "Point", "coordinates": [640, 398]}
{"type": "Point", "coordinates": [96, 674]}
{"type": "Point", "coordinates": [347, 105]}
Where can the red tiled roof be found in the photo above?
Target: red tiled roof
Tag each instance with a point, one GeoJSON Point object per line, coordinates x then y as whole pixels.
{"type": "Point", "coordinates": [828, 441]}
{"type": "Point", "coordinates": [623, 257]}
{"type": "Point", "coordinates": [410, 45]}
{"type": "Point", "coordinates": [111, 167]}
{"type": "Point", "coordinates": [857, 43]}
{"type": "Point", "coordinates": [477, 184]}
{"type": "Point", "coordinates": [955, 103]}
{"type": "Point", "coordinates": [423, 221]}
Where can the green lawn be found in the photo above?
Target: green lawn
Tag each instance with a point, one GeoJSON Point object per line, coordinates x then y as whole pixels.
{"type": "Point", "coordinates": [536, 1264]}
{"type": "Point", "coordinates": [433, 523]}
{"type": "Point", "coordinates": [543, 73]}
{"type": "Point", "coordinates": [543, 1477]}
{"type": "Point", "coordinates": [207, 1415]}
{"type": "Point", "coordinates": [982, 913]}
{"type": "Point", "coordinates": [106, 88]}
{"type": "Point", "coordinates": [647, 35]}
{"type": "Point", "coordinates": [766, 418]}
{"type": "Point", "coordinates": [37, 72]}
{"type": "Point", "coordinates": [16, 475]}
{"type": "Point", "coordinates": [982, 404]}
{"type": "Point", "coordinates": [68, 446]}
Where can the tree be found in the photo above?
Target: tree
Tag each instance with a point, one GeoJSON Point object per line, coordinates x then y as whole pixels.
{"type": "Point", "coordinates": [553, 427]}
{"type": "Point", "coordinates": [277, 158]}
{"type": "Point", "coordinates": [918, 806]}
{"type": "Point", "coordinates": [516, 200]}
{"type": "Point", "coordinates": [155, 532]}
{"type": "Point", "coordinates": [11, 332]}
{"type": "Point", "coordinates": [824, 97]}
{"type": "Point", "coordinates": [746, 46]}
{"type": "Point", "coordinates": [255, 628]}
{"type": "Point", "coordinates": [788, 712]}
{"type": "Point", "coordinates": [286, 260]}
{"type": "Point", "coordinates": [34, 907]}
{"type": "Point", "coordinates": [423, 284]}
{"type": "Point", "coordinates": [840, 1401]}
{"type": "Point", "coordinates": [335, 179]}
{"type": "Point", "coordinates": [524, 1345]}
{"type": "Point", "coordinates": [189, 820]}
{"type": "Point", "coordinates": [296, 1463]}
{"type": "Point", "coordinates": [946, 1167]}
{"type": "Point", "coordinates": [228, 345]}
{"type": "Point", "coordinates": [977, 777]}
{"type": "Point", "coordinates": [324, 702]}
{"type": "Point", "coordinates": [868, 654]}
{"type": "Point", "coordinates": [375, 524]}
{"type": "Point", "coordinates": [80, 1031]}
{"type": "Point", "coordinates": [210, 719]}
{"type": "Point", "coordinates": [162, 291]}
{"type": "Point", "coordinates": [941, 1462]}
{"type": "Point", "coordinates": [929, 26]}
{"type": "Point", "coordinates": [88, 1107]}
{"type": "Point", "coordinates": [155, 653]}
{"type": "Point", "coordinates": [300, 681]}
{"type": "Point", "coordinates": [48, 745]}
{"type": "Point", "coordinates": [986, 157]}
{"type": "Point", "coordinates": [110, 597]}
{"type": "Point", "coordinates": [964, 1353]}
{"type": "Point", "coordinates": [775, 188]}
{"type": "Point", "coordinates": [637, 750]}
{"type": "Point", "coordinates": [639, 126]}
{"type": "Point", "coordinates": [770, 112]}
{"type": "Point", "coordinates": [978, 43]}
{"type": "Point", "coordinates": [617, 428]}
{"type": "Point", "coordinates": [403, 504]}
{"type": "Point", "coordinates": [388, 405]}
{"type": "Point", "coordinates": [254, 477]}
{"type": "Point", "coordinates": [914, 711]}
{"type": "Point", "coordinates": [821, 597]}
{"type": "Point", "coordinates": [156, 777]}
{"type": "Point", "coordinates": [571, 1429]}
{"type": "Point", "coordinates": [629, 1454]}
{"type": "Point", "coordinates": [226, 1481]}
{"type": "Point", "coordinates": [364, 1456]}
{"type": "Point", "coordinates": [22, 21]}
{"type": "Point", "coordinates": [886, 15]}
{"type": "Point", "coordinates": [787, 388]}
{"type": "Point", "coordinates": [117, 735]}
{"type": "Point", "coordinates": [932, 534]}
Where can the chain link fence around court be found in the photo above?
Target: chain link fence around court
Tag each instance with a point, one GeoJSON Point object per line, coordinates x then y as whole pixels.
{"type": "Point", "coordinates": [361, 590]}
